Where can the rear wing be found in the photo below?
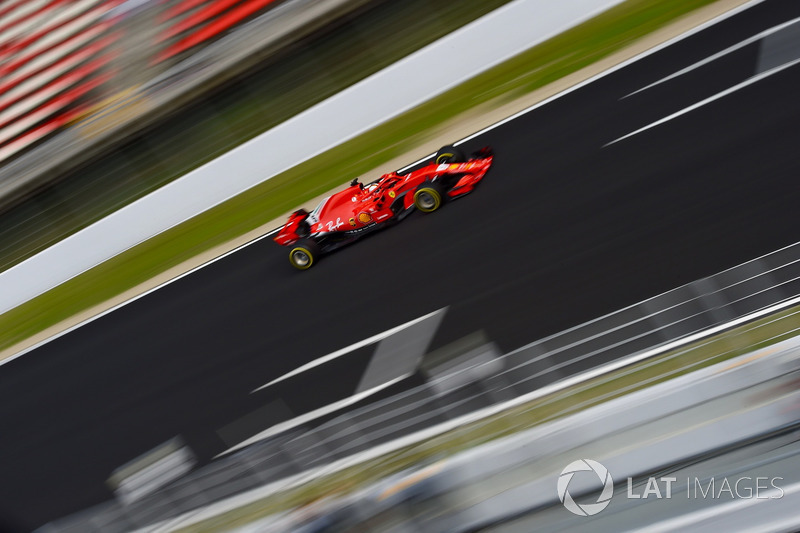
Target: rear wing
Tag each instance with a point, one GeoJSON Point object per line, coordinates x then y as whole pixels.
{"type": "Point", "coordinates": [294, 229]}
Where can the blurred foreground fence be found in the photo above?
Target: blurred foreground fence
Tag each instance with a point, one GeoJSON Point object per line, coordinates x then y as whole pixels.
{"type": "Point", "coordinates": [463, 393]}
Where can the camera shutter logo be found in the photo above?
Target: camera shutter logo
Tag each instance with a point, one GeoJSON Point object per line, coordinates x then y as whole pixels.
{"type": "Point", "coordinates": [586, 509]}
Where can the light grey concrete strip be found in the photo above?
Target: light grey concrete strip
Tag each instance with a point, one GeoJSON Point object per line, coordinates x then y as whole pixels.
{"type": "Point", "coordinates": [399, 354]}
{"type": "Point", "coordinates": [780, 47]}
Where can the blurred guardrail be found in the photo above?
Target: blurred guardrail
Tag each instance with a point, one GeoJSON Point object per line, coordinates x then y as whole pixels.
{"type": "Point", "coordinates": [470, 393]}
{"type": "Point", "coordinates": [511, 29]}
{"type": "Point", "coordinates": [690, 426]}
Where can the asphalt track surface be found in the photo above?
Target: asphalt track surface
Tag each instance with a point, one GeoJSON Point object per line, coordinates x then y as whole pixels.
{"type": "Point", "coordinates": [562, 230]}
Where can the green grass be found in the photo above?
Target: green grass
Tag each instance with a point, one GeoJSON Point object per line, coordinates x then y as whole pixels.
{"type": "Point", "coordinates": [733, 343]}
{"type": "Point", "coordinates": [530, 70]}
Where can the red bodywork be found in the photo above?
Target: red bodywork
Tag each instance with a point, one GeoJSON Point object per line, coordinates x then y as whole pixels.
{"type": "Point", "coordinates": [346, 215]}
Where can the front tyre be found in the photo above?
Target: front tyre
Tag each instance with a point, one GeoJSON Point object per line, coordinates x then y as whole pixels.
{"type": "Point", "coordinates": [449, 154]}
{"type": "Point", "coordinates": [429, 197]}
{"type": "Point", "coordinates": [303, 254]}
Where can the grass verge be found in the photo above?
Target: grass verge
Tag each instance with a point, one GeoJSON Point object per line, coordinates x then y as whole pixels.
{"type": "Point", "coordinates": [733, 343]}
{"type": "Point", "coordinates": [533, 69]}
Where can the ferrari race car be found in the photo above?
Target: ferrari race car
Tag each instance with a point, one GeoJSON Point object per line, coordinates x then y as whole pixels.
{"type": "Point", "coordinates": [360, 209]}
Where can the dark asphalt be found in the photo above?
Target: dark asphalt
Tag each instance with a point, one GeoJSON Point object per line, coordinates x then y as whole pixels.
{"type": "Point", "coordinates": [562, 230]}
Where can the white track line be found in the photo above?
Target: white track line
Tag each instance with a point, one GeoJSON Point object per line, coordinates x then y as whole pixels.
{"type": "Point", "coordinates": [344, 351]}
{"type": "Point", "coordinates": [603, 74]}
{"type": "Point", "coordinates": [312, 415]}
{"type": "Point", "coordinates": [716, 56]}
{"type": "Point", "coordinates": [133, 299]}
{"type": "Point", "coordinates": [613, 69]}
{"type": "Point", "coordinates": [407, 440]}
{"type": "Point", "coordinates": [708, 100]}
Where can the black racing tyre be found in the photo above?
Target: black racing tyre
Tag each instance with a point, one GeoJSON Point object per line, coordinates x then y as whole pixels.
{"type": "Point", "coordinates": [303, 254]}
{"type": "Point", "coordinates": [303, 229]}
{"type": "Point", "coordinates": [429, 197]}
{"type": "Point", "coordinates": [449, 154]}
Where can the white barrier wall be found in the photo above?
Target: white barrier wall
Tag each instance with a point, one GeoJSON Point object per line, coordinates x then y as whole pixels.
{"type": "Point", "coordinates": [449, 61]}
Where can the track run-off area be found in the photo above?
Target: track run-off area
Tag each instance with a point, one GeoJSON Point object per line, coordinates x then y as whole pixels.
{"type": "Point", "coordinates": [674, 167]}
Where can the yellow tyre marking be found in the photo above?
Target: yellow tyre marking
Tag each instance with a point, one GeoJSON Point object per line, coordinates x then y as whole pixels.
{"type": "Point", "coordinates": [439, 159]}
{"type": "Point", "coordinates": [308, 253]}
{"type": "Point", "coordinates": [432, 192]}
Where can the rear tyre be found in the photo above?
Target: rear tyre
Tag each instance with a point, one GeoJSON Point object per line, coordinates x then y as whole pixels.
{"type": "Point", "coordinates": [449, 154]}
{"type": "Point", "coordinates": [429, 197]}
{"type": "Point", "coordinates": [303, 254]}
{"type": "Point", "coordinates": [303, 229]}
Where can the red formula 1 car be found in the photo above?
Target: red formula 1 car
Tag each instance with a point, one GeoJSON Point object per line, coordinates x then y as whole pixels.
{"type": "Point", "coordinates": [347, 215]}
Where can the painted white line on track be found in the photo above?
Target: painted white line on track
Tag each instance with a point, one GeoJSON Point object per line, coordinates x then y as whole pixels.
{"type": "Point", "coordinates": [611, 70]}
{"type": "Point", "coordinates": [344, 351]}
{"type": "Point", "coordinates": [637, 304]}
{"type": "Point", "coordinates": [620, 363]}
{"type": "Point", "coordinates": [413, 438]}
{"type": "Point", "coordinates": [716, 56]}
{"type": "Point", "coordinates": [620, 66]}
{"type": "Point", "coordinates": [133, 299]}
{"type": "Point", "coordinates": [577, 379]}
{"type": "Point", "coordinates": [598, 76]}
{"type": "Point", "coordinates": [708, 100]}
{"type": "Point", "coordinates": [312, 415]}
